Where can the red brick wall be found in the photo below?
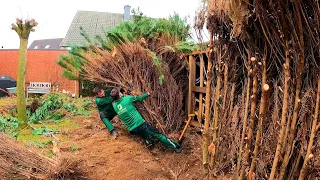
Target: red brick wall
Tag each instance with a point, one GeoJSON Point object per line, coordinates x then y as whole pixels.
{"type": "Point", "coordinates": [41, 67]}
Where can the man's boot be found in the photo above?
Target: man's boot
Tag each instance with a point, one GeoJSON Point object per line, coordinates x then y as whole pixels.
{"type": "Point", "coordinates": [149, 144]}
{"type": "Point", "coordinates": [178, 148]}
{"type": "Point", "coordinates": [114, 133]}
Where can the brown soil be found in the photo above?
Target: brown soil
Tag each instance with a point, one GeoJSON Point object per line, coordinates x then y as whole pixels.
{"type": "Point", "coordinates": [127, 157]}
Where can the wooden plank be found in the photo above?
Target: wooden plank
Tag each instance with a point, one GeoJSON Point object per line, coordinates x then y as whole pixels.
{"type": "Point", "coordinates": [199, 89]}
{"type": "Point", "coordinates": [195, 124]}
{"type": "Point", "coordinates": [192, 80]}
{"type": "Point", "coordinates": [197, 112]}
{"type": "Point", "coordinates": [201, 86]}
{"type": "Point", "coordinates": [195, 53]}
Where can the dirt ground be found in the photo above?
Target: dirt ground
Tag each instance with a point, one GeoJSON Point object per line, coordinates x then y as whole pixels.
{"type": "Point", "coordinates": [127, 158]}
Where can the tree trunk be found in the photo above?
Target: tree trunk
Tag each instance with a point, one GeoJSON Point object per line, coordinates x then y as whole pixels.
{"type": "Point", "coordinates": [232, 97]}
{"type": "Point", "coordinates": [21, 99]}
{"type": "Point", "coordinates": [286, 67]}
{"type": "Point", "coordinates": [251, 125]}
{"type": "Point", "coordinates": [23, 29]}
{"type": "Point", "coordinates": [265, 88]}
{"type": "Point", "coordinates": [300, 67]}
{"type": "Point", "coordinates": [285, 138]}
{"type": "Point", "coordinates": [245, 118]}
{"type": "Point", "coordinates": [309, 154]}
{"type": "Point", "coordinates": [207, 113]}
{"type": "Point", "coordinates": [292, 128]}
{"type": "Point", "coordinates": [295, 170]}
{"type": "Point", "coordinates": [216, 110]}
{"type": "Point", "coordinates": [225, 88]}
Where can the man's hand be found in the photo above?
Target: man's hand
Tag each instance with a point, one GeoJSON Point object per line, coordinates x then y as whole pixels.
{"type": "Point", "coordinates": [148, 93]}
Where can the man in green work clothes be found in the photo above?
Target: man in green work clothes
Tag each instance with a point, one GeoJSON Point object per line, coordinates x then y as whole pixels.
{"type": "Point", "coordinates": [104, 104]}
{"type": "Point", "coordinates": [134, 122]}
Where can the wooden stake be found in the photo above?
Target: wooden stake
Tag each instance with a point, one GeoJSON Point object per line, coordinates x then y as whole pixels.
{"type": "Point", "coordinates": [186, 126]}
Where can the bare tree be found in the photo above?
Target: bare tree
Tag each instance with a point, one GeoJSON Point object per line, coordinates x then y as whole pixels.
{"type": "Point", "coordinates": [23, 29]}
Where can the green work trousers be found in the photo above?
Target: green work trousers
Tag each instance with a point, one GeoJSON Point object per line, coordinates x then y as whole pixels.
{"type": "Point", "coordinates": [145, 131]}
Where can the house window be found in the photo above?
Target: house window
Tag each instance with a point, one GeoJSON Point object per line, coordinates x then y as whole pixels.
{"type": "Point", "coordinates": [36, 47]}
{"type": "Point", "coordinates": [47, 46]}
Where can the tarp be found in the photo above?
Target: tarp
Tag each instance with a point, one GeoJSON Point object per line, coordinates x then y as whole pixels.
{"type": "Point", "coordinates": [6, 82]}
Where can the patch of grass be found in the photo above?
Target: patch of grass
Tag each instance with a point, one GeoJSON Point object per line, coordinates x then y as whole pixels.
{"type": "Point", "coordinates": [44, 130]}
{"type": "Point", "coordinates": [40, 144]}
{"type": "Point", "coordinates": [57, 124]}
{"type": "Point", "coordinates": [74, 148]}
{"type": "Point", "coordinates": [26, 135]}
{"type": "Point", "coordinates": [43, 141]}
{"type": "Point", "coordinates": [49, 154]}
{"type": "Point", "coordinates": [7, 101]}
{"type": "Point", "coordinates": [9, 125]}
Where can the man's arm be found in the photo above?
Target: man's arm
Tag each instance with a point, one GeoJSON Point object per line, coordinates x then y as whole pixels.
{"type": "Point", "coordinates": [140, 98]}
{"type": "Point", "coordinates": [104, 101]}
{"type": "Point", "coordinates": [101, 102]}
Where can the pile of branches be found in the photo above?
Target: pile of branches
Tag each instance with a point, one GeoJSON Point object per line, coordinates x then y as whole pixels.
{"type": "Point", "coordinates": [141, 55]}
{"type": "Point", "coordinates": [138, 70]}
{"type": "Point", "coordinates": [20, 162]}
{"type": "Point", "coordinates": [273, 47]}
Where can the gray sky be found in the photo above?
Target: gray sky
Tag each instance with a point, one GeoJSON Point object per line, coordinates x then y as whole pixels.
{"type": "Point", "coordinates": [54, 17]}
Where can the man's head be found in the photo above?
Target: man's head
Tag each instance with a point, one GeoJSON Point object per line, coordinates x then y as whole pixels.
{"type": "Point", "coordinates": [99, 91]}
{"type": "Point", "coordinates": [115, 93]}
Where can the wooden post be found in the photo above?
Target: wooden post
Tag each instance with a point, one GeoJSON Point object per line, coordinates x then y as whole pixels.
{"type": "Point", "coordinates": [192, 78]}
{"type": "Point", "coordinates": [201, 95]}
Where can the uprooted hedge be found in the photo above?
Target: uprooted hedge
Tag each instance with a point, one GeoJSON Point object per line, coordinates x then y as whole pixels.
{"type": "Point", "coordinates": [142, 55]}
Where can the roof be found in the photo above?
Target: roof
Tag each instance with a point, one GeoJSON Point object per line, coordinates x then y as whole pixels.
{"type": "Point", "coordinates": [6, 78]}
{"type": "Point", "coordinates": [93, 23]}
{"type": "Point", "coordinates": [46, 44]}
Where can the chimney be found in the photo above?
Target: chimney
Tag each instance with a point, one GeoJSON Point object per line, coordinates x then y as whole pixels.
{"type": "Point", "coordinates": [126, 15]}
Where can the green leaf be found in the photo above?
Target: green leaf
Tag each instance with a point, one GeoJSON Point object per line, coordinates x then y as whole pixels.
{"type": "Point", "coordinates": [161, 78]}
{"type": "Point", "coordinates": [37, 131]}
{"type": "Point", "coordinates": [170, 48]}
{"type": "Point", "coordinates": [74, 148]}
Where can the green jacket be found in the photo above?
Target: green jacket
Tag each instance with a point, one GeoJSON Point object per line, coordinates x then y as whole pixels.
{"type": "Point", "coordinates": [127, 112]}
{"type": "Point", "coordinates": [105, 103]}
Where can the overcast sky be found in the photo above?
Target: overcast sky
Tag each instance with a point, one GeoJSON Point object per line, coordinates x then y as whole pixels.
{"type": "Point", "coordinates": [54, 17]}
